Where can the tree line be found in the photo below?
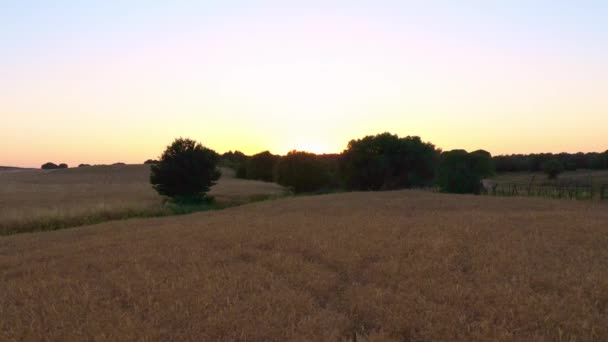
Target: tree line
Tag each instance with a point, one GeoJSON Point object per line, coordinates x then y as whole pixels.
{"type": "Point", "coordinates": [373, 163]}
{"type": "Point", "coordinates": [536, 162]}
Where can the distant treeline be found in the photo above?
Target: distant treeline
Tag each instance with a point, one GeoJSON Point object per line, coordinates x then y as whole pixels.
{"type": "Point", "coordinates": [53, 166]}
{"type": "Point", "coordinates": [535, 162]}
{"type": "Point", "coordinates": [381, 162]}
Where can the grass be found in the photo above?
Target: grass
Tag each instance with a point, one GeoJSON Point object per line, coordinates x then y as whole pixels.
{"type": "Point", "coordinates": [390, 266]}
{"type": "Point", "coordinates": [55, 222]}
{"type": "Point", "coordinates": [580, 184]}
{"type": "Point", "coordinates": [581, 177]}
{"type": "Point", "coordinates": [37, 200]}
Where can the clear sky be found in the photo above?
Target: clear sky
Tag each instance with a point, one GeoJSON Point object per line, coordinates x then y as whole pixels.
{"type": "Point", "coordinates": [108, 81]}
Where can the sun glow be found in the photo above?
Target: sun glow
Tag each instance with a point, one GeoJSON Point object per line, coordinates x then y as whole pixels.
{"type": "Point", "coordinates": [311, 146]}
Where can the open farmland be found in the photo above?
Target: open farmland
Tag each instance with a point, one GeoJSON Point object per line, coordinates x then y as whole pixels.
{"type": "Point", "coordinates": [580, 184]}
{"type": "Point", "coordinates": [37, 198]}
{"type": "Point", "coordinates": [595, 178]}
{"type": "Point", "coordinates": [388, 266]}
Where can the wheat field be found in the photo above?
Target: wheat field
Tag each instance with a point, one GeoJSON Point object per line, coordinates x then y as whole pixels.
{"type": "Point", "coordinates": [49, 197]}
{"type": "Point", "coordinates": [386, 266]}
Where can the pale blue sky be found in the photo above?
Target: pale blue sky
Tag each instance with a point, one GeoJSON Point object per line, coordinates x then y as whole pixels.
{"type": "Point", "coordinates": [96, 81]}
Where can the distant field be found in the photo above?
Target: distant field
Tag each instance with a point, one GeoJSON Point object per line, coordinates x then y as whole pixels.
{"type": "Point", "coordinates": [580, 184]}
{"type": "Point", "coordinates": [387, 266]}
{"type": "Point", "coordinates": [594, 177]}
{"type": "Point", "coordinates": [49, 197]}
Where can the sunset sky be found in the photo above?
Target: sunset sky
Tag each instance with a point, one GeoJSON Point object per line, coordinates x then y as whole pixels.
{"type": "Point", "coordinates": [109, 81]}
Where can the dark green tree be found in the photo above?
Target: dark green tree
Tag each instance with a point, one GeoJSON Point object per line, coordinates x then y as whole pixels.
{"type": "Point", "coordinates": [461, 172]}
{"type": "Point", "coordinates": [385, 162]}
{"type": "Point", "coordinates": [482, 163]}
{"type": "Point", "coordinates": [261, 166]}
{"type": "Point", "coordinates": [302, 171]}
{"type": "Point", "coordinates": [186, 170]}
{"type": "Point", "coordinates": [553, 168]}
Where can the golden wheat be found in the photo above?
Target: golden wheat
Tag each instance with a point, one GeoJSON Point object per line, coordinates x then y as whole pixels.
{"type": "Point", "coordinates": [389, 266]}
{"type": "Point", "coordinates": [70, 196]}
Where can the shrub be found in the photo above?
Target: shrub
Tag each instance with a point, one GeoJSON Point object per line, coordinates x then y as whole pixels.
{"type": "Point", "coordinates": [303, 171]}
{"type": "Point", "coordinates": [461, 172]}
{"type": "Point", "coordinates": [150, 162]}
{"type": "Point", "coordinates": [261, 166]}
{"type": "Point", "coordinates": [186, 170]}
{"type": "Point", "coordinates": [553, 168]}
{"type": "Point", "coordinates": [385, 161]}
{"type": "Point", "coordinates": [83, 165]}
{"type": "Point", "coordinates": [63, 166]}
{"type": "Point", "coordinates": [49, 166]}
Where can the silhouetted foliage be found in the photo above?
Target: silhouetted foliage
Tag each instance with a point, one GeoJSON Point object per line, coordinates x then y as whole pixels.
{"type": "Point", "coordinates": [233, 159]}
{"type": "Point", "coordinates": [553, 168]}
{"type": "Point", "coordinates": [63, 166]}
{"type": "Point", "coordinates": [534, 162]}
{"type": "Point", "coordinates": [385, 161]}
{"type": "Point", "coordinates": [261, 166]}
{"type": "Point", "coordinates": [150, 162]}
{"type": "Point", "coordinates": [186, 169]}
{"type": "Point", "coordinates": [482, 163]}
{"type": "Point", "coordinates": [119, 164]}
{"type": "Point", "coordinates": [303, 172]}
{"type": "Point", "coordinates": [461, 172]}
{"type": "Point", "coordinates": [49, 166]}
{"type": "Point", "coordinates": [237, 161]}
{"type": "Point", "coordinates": [332, 165]}
{"type": "Point", "coordinates": [83, 165]}
{"type": "Point", "coordinates": [599, 161]}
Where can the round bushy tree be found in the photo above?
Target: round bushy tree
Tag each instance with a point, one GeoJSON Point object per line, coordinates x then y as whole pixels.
{"type": "Point", "coordinates": [186, 170]}
{"type": "Point", "coordinates": [482, 163]}
{"type": "Point", "coordinates": [386, 161]}
{"type": "Point", "coordinates": [303, 171]}
{"type": "Point", "coordinates": [553, 168]}
{"type": "Point", "coordinates": [49, 166]}
{"type": "Point", "coordinates": [458, 172]}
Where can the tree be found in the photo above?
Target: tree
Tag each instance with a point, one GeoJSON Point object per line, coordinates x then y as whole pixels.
{"type": "Point", "coordinates": [151, 161]}
{"type": "Point", "coordinates": [482, 163]}
{"type": "Point", "coordinates": [553, 168]}
{"type": "Point", "coordinates": [186, 170]}
{"type": "Point", "coordinates": [63, 166]}
{"type": "Point", "coordinates": [458, 172]}
{"type": "Point", "coordinates": [461, 172]}
{"type": "Point", "coordinates": [84, 165]}
{"type": "Point", "coordinates": [261, 166]}
{"type": "Point", "coordinates": [385, 162]}
{"type": "Point", "coordinates": [233, 159]}
{"type": "Point", "coordinates": [303, 171]}
{"type": "Point", "coordinates": [49, 166]}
